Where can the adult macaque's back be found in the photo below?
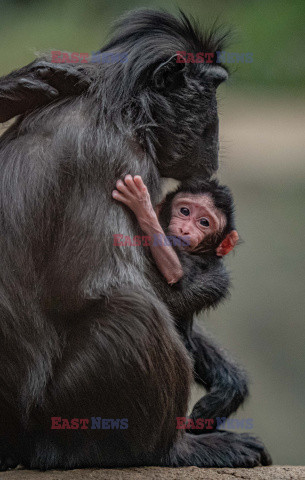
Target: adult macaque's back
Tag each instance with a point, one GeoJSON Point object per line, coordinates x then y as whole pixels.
{"type": "Point", "coordinates": [82, 333]}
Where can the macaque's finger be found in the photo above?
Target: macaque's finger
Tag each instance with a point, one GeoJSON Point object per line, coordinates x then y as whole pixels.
{"type": "Point", "coordinates": [121, 198]}
{"type": "Point", "coordinates": [130, 184]}
{"type": "Point", "coordinates": [37, 86]}
{"type": "Point", "coordinates": [63, 78]}
{"type": "Point", "coordinates": [120, 185]}
{"type": "Point", "coordinates": [140, 184]}
{"type": "Point", "coordinates": [45, 69]}
{"type": "Point", "coordinates": [44, 72]}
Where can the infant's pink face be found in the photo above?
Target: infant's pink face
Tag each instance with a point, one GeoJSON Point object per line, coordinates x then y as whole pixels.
{"type": "Point", "coordinates": [196, 217]}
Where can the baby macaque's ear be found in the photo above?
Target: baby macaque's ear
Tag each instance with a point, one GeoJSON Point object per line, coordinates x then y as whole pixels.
{"type": "Point", "coordinates": [227, 244]}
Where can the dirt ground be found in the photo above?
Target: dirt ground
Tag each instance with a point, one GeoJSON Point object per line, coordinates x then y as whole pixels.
{"type": "Point", "coordinates": [156, 473]}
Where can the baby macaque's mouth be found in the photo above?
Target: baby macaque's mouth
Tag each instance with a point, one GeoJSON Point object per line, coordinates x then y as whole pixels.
{"type": "Point", "coordinates": [182, 241]}
{"type": "Point", "coordinates": [185, 242]}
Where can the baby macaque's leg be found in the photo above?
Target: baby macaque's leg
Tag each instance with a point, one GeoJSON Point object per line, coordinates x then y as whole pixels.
{"type": "Point", "coordinates": [225, 381]}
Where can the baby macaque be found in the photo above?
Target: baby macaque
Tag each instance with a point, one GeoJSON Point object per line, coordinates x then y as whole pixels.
{"type": "Point", "coordinates": [201, 214]}
{"type": "Point", "coordinates": [202, 220]}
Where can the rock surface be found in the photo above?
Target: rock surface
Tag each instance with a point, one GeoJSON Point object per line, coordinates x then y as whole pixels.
{"type": "Point", "coordinates": [157, 473]}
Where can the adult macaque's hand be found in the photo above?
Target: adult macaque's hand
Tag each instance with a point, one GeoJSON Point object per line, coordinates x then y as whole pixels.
{"type": "Point", "coordinates": [67, 79]}
{"type": "Point", "coordinates": [36, 85]}
{"type": "Point", "coordinates": [134, 194]}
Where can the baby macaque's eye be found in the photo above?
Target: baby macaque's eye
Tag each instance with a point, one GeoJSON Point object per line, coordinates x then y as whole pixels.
{"type": "Point", "coordinates": [204, 222]}
{"type": "Point", "coordinates": [185, 211]}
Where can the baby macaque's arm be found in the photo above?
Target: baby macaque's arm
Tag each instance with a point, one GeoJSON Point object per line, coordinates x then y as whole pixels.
{"type": "Point", "coordinates": [133, 193]}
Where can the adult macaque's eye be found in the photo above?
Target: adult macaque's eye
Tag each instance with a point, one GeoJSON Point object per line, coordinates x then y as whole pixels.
{"type": "Point", "coordinates": [185, 211]}
{"type": "Point", "coordinates": [204, 222]}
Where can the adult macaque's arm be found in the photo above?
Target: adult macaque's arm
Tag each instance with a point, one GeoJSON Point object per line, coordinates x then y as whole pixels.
{"type": "Point", "coordinates": [36, 85]}
{"type": "Point", "coordinates": [133, 193]}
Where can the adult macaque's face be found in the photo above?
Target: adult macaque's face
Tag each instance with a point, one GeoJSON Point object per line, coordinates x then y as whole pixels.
{"type": "Point", "coordinates": [196, 217]}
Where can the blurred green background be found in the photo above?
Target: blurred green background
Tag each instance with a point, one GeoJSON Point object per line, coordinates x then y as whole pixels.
{"type": "Point", "coordinates": [262, 159]}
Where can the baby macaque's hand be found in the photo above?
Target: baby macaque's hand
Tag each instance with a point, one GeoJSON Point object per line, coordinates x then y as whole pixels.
{"type": "Point", "coordinates": [134, 194]}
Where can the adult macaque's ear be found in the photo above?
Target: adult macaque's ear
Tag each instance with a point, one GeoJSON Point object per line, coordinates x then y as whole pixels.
{"type": "Point", "coordinates": [216, 74]}
{"type": "Point", "coordinates": [227, 244]}
{"type": "Point", "coordinates": [169, 74]}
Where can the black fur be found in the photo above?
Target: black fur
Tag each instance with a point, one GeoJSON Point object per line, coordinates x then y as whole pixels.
{"type": "Point", "coordinates": [82, 331]}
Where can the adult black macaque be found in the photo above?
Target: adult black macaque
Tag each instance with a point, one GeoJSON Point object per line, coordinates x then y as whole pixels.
{"type": "Point", "coordinates": [83, 332]}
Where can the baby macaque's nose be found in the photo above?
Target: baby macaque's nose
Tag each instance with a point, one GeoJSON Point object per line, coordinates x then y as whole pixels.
{"type": "Point", "coordinates": [185, 230]}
